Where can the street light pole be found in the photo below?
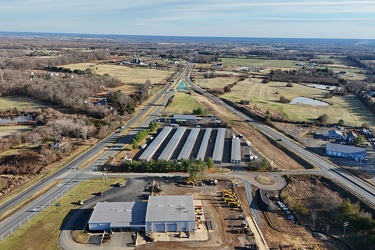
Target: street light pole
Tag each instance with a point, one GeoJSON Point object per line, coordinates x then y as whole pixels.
{"type": "Point", "coordinates": [345, 225]}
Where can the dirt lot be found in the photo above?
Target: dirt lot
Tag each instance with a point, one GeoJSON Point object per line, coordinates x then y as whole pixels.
{"type": "Point", "coordinates": [224, 219]}
{"type": "Point", "coordinates": [279, 232]}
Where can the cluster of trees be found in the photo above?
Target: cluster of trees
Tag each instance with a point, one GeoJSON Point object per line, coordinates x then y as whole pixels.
{"type": "Point", "coordinates": [199, 111]}
{"type": "Point", "coordinates": [262, 164]}
{"type": "Point", "coordinates": [53, 138]}
{"type": "Point", "coordinates": [283, 99]}
{"type": "Point", "coordinates": [72, 92]}
{"type": "Point", "coordinates": [320, 202]}
{"type": "Point", "coordinates": [141, 135]}
{"type": "Point", "coordinates": [315, 75]}
{"type": "Point", "coordinates": [160, 166]}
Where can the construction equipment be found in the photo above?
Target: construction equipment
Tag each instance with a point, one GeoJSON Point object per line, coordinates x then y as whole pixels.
{"type": "Point", "coordinates": [227, 191]}
{"type": "Point", "coordinates": [229, 195]}
{"type": "Point", "coordinates": [156, 187]}
{"type": "Point", "coordinates": [191, 182]}
{"type": "Point", "coordinates": [234, 204]}
{"type": "Point", "coordinates": [230, 199]}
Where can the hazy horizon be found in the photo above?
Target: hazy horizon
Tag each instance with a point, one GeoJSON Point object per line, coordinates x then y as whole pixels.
{"type": "Point", "coordinates": [92, 35]}
{"type": "Point", "coordinates": [334, 19]}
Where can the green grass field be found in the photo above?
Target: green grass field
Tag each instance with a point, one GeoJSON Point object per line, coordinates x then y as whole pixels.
{"type": "Point", "coordinates": [264, 96]}
{"type": "Point", "coordinates": [42, 231]}
{"type": "Point", "coordinates": [182, 103]}
{"type": "Point", "coordinates": [19, 102]}
{"type": "Point", "coordinates": [276, 64]}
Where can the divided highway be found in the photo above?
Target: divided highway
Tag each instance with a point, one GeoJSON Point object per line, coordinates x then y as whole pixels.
{"type": "Point", "coordinates": [71, 176]}
{"type": "Point", "coordinates": [69, 173]}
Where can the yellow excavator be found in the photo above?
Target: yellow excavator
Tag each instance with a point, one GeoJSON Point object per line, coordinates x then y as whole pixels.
{"type": "Point", "coordinates": [191, 182]}
{"type": "Point", "coordinates": [234, 204]}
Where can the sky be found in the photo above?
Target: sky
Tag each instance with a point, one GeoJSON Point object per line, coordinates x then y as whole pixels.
{"type": "Point", "coordinates": [213, 18]}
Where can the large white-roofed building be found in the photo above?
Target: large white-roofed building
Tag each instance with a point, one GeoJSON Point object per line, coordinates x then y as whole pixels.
{"type": "Point", "coordinates": [120, 216]}
{"type": "Point", "coordinates": [173, 213]}
{"type": "Point", "coordinates": [160, 214]}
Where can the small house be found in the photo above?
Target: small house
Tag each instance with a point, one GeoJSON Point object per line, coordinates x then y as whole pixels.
{"type": "Point", "coordinates": [335, 134]}
{"type": "Point", "coordinates": [351, 136]}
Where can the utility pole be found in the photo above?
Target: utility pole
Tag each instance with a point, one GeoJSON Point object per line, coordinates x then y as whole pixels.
{"type": "Point", "coordinates": [345, 225]}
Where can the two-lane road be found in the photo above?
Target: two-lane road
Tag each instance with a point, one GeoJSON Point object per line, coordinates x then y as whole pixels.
{"type": "Point", "coordinates": [361, 188]}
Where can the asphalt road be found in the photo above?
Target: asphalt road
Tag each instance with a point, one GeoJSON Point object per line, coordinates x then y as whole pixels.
{"type": "Point", "coordinates": [69, 173]}
{"type": "Point", "coordinates": [359, 187]}
{"type": "Point", "coordinates": [71, 177]}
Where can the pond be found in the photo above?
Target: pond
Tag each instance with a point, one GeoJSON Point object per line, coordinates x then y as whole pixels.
{"type": "Point", "coordinates": [14, 119]}
{"type": "Point", "coordinates": [308, 101]}
{"type": "Point", "coordinates": [322, 86]}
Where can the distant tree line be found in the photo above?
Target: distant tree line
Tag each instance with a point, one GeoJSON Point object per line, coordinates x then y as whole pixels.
{"type": "Point", "coordinates": [27, 62]}
{"type": "Point", "coordinates": [315, 75]}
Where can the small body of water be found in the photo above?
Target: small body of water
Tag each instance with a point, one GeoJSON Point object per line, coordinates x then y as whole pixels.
{"type": "Point", "coordinates": [322, 86]}
{"type": "Point", "coordinates": [308, 101]}
{"type": "Point", "coordinates": [21, 118]}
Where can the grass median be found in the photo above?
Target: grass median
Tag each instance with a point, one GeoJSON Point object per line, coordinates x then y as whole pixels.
{"type": "Point", "coordinates": [42, 231]}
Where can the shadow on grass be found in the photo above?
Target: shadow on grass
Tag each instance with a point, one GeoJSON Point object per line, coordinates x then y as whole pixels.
{"type": "Point", "coordinates": [76, 219]}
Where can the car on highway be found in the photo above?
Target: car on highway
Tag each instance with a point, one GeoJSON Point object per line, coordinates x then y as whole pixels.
{"type": "Point", "coordinates": [100, 193]}
{"type": "Point", "coordinates": [118, 184]}
{"type": "Point", "coordinates": [80, 202]}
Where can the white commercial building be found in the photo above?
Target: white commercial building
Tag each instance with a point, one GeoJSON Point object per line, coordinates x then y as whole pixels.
{"type": "Point", "coordinates": [170, 214]}
{"type": "Point", "coordinates": [120, 216]}
{"type": "Point", "coordinates": [160, 214]}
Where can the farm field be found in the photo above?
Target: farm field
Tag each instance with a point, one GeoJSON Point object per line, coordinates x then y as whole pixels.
{"type": "Point", "coordinates": [129, 76]}
{"type": "Point", "coordinates": [275, 64]}
{"type": "Point", "coordinates": [19, 102]}
{"type": "Point", "coordinates": [182, 103]}
{"type": "Point", "coordinates": [7, 130]}
{"type": "Point", "coordinates": [213, 83]}
{"type": "Point", "coordinates": [42, 231]}
{"type": "Point", "coordinates": [264, 97]}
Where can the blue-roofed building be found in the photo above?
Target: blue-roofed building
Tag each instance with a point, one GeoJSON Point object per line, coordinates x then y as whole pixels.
{"type": "Point", "coordinates": [356, 153]}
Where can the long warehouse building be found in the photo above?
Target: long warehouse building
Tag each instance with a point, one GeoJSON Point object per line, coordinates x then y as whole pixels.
{"type": "Point", "coordinates": [204, 144]}
{"type": "Point", "coordinates": [236, 151]}
{"type": "Point", "coordinates": [189, 144]}
{"type": "Point", "coordinates": [219, 146]}
{"type": "Point", "coordinates": [150, 151]}
{"type": "Point", "coordinates": [172, 144]}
